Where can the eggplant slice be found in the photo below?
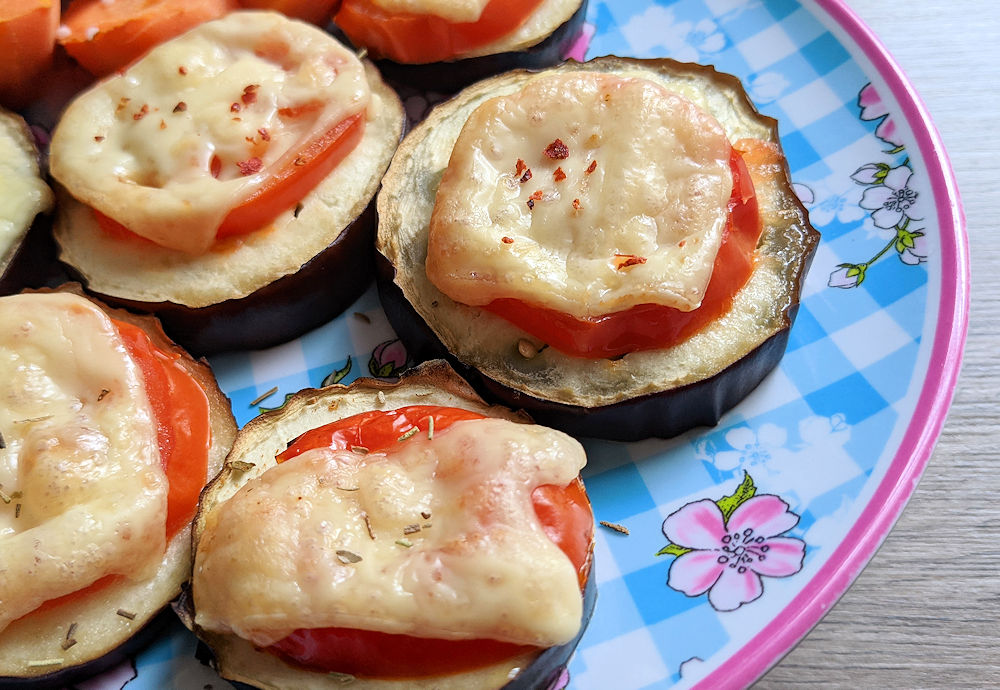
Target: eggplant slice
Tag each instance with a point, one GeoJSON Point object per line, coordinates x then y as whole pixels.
{"type": "Point", "coordinates": [26, 249]}
{"type": "Point", "coordinates": [642, 394]}
{"type": "Point", "coordinates": [253, 453]}
{"type": "Point", "coordinates": [262, 289]}
{"type": "Point", "coordinates": [109, 624]}
{"type": "Point", "coordinates": [538, 48]}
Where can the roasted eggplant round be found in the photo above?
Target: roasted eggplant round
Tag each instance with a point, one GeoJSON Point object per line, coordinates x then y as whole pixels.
{"type": "Point", "coordinates": [245, 290]}
{"type": "Point", "coordinates": [542, 41]}
{"type": "Point", "coordinates": [26, 249]}
{"type": "Point", "coordinates": [253, 470]}
{"type": "Point", "coordinates": [652, 392]}
{"type": "Point", "coordinates": [79, 634]}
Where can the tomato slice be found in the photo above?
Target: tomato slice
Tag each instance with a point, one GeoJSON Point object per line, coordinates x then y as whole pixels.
{"type": "Point", "coordinates": [653, 326]}
{"type": "Point", "coordinates": [183, 431]}
{"type": "Point", "coordinates": [183, 428]}
{"type": "Point", "coordinates": [419, 38]}
{"type": "Point", "coordinates": [285, 187]}
{"type": "Point", "coordinates": [564, 513]}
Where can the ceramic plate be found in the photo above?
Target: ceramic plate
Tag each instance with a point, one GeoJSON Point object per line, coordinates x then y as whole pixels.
{"type": "Point", "coordinates": [814, 467]}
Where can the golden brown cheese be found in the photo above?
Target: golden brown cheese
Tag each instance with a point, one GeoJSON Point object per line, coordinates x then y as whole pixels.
{"type": "Point", "coordinates": [583, 192]}
{"type": "Point", "coordinates": [292, 549]}
{"type": "Point", "coordinates": [193, 128]}
{"type": "Point", "coordinates": [80, 460]}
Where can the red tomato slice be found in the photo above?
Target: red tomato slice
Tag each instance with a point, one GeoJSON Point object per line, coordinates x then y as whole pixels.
{"type": "Point", "coordinates": [283, 189]}
{"type": "Point", "coordinates": [183, 429]}
{"type": "Point", "coordinates": [564, 513]}
{"type": "Point", "coordinates": [420, 38]}
{"type": "Point", "coordinates": [180, 408]}
{"type": "Point", "coordinates": [652, 326]}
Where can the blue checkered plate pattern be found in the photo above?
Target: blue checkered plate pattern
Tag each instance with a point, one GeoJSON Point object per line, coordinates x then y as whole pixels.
{"type": "Point", "coordinates": [739, 536]}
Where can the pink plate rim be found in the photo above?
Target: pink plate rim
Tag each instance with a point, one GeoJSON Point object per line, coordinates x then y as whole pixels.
{"type": "Point", "coordinates": [890, 497]}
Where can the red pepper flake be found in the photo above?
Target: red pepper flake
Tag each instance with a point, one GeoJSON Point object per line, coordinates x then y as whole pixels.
{"type": "Point", "coordinates": [536, 195]}
{"type": "Point", "coordinates": [180, 107]}
{"type": "Point", "coordinates": [99, 138]}
{"type": "Point", "coordinates": [122, 102]}
{"type": "Point", "coordinates": [142, 112]}
{"type": "Point", "coordinates": [299, 161]}
{"type": "Point", "coordinates": [520, 167]}
{"type": "Point", "coordinates": [531, 203]}
{"type": "Point", "coordinates": [591, 168]}
{"type": "Point", "coordinates": [576, 204]}
{"type": "Point", "coordinates": [235, 108]}
{"type": "Point", "coordinates": [626, 260]}
{"type": "Point", "coordinates": [264, 134]}
{"type": "Point", "coordinates": [250, 165]}
{"type": "Point", "coordinates": [163, 125]}
{"type": "Point", "coordinates": [250, 94]}
{"type": "Point", "coordinates": [559, 175]}
{"type": "Point", "coordinates": [557, 150]}
{"type": "Point", "coordinates": [507, 240]}
{"type": "Point", "coordinates": [526, 176]}
{"type": "Point", "coordinates": [215, 166]}
{"type": "Point", "coordinates": [182, 70]}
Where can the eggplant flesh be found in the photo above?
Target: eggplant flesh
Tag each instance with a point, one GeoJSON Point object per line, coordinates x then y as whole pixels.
{"type": "Point", "coordinates": [430, 383]}
{"type": "Point", "coordinates": [660, 392]}
{"type": "Point", "coordinates": [112, 622]}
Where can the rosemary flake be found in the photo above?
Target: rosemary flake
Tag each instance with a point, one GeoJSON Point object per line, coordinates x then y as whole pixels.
{"type": "Point", "coordinates": [408, 434]}
{"type": "Point", "coordinates": [411, 529]}
{"type": "Point", "coordinates": [126, 614]}
{"type": "Point", "coordinates": [242, 465]}
{"type": "Point", "coordinates": [103, 394]}
{"type": "Point", "coordinates": [342, 678]}
{"type": "Point", "coordinates": [425, 514]}
{"type": "Point", "coordinates": [368, 524]}
{"type": "Point", "coordinates": [263, 396]}
{"type": "Point", "coordinates": [3, 444]}
{"type": "Point", "coordinates": [430, 428]}
{"type": "Point", "coordinates": [17, 510]}
{"type": "Point", "coordinates": [38, 663]}
{"type": "Point", "coordinates": [67, 643]}
{"type": "Point", "coordinates": [622, 529]}
{"type": "Point", "coordinates": [31, 420]}
{"type": "Point", "coordinates": [405, 542]}
{"type": "Point", "coordinates": [72, 629]}
{"type": "Point", "coordinates": [347, 557]}
{"type": "Point", "coordinates": [4, 497]}
{"type": "Point", "coordinates": [348, 488]}
{"type": "Point", "coordinates": [360, 450]}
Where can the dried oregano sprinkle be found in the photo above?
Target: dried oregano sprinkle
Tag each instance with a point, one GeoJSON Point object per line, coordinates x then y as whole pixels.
{"type": "Point", "coordinates": [408, 434]}
{"type": "Point", "coordinates": [126, 614]}
{"type": "Point", "coordinates": [347, 557]}
{"type": "Point", "coordinates": [404, 542]}
{"type": "Point", "coordinates": [263, 396]}
{"type": "Point", "coordinates": [615, 526]}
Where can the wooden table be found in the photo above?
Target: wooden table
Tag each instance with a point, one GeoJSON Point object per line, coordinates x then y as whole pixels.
{"type": "Point", "coordinates": [926, 611]}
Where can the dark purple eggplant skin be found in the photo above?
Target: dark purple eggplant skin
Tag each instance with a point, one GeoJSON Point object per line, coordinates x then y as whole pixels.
{"type": "Point", "coordinates": [65, 677]}
{"type": "Point", "coordinates": [454, 75]}
{"type": "Point", "coordinates": [292, 305]}
{"type": "Point", "coordinates": [662, 415]}
{"type": "Point", "coordinates": [34, 263]}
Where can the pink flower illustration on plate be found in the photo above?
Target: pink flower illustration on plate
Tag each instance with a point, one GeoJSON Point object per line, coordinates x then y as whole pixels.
{"type": "Point", "coordinates": [728, 556]}
{"type": "Point", "coordinates": [873, 108]}
{"type": "Point", "coordinates": [388, 359]}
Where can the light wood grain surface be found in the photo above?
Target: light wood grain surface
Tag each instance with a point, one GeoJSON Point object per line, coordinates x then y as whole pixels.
{"type": "Point", "coordinates": [926, 611]}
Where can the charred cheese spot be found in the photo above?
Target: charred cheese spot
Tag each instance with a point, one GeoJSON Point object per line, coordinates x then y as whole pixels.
{"type": "Point", "coordinates": [485, 569]}
{"type": "Point", "coordinates": [642, 172]}
{"type": "Point", "coordinates": [245, 74]}
{"type": "Point", "coordinates": [85, 463]}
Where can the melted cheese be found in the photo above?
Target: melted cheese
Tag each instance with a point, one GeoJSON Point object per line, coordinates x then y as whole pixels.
{"type": "Point", "coordinates": [80, 457]}
{"type": "Point", "coordinates": [198, 125]}
{"type": "Point", "coordinates": [630, 209]}
{"type": "Point", "coordinates": [452, 10]}
{"type": "Point", "coordinates": [273, 557]}
{"type": "Point", "coordinates": [23, 193]}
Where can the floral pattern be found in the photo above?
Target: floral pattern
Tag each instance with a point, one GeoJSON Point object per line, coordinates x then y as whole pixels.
{"type": "Point", "coordinates": [725, 548]}
{"type": "Point", "coordinates": [890, 198]}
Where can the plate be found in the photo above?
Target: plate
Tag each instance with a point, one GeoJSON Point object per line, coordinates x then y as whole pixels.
{"type": "Point", "coordinates": [812, 469]}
